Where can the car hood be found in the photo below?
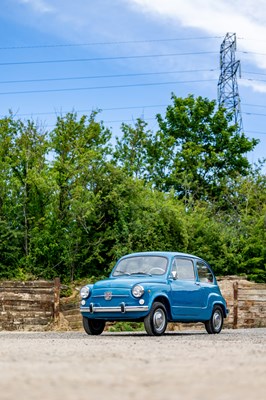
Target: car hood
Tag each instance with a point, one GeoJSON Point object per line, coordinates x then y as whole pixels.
{"type": "Point", "coordinates": [126, 282]}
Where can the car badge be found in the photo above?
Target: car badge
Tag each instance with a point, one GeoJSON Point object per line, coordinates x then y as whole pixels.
{"type": "Point", "coordinates": [108, 295]}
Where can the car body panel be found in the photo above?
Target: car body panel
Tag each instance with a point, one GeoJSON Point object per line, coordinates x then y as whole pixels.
{"type": "Point", "coordinates": [186, 300]}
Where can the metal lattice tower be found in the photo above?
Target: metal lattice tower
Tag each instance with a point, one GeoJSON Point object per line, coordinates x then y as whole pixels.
{"type": "Point", "coordinates": [228, 95]}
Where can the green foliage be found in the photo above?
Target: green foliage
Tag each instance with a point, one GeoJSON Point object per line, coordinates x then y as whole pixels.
{"type": "Point", "coordinates": [126, 327]}
{"type": "Point", "coordinates": [207, 151]}
{"type": "Point", "coordinates": [131, 151]}
{"type": "Point", "coordinates": [70, 205]}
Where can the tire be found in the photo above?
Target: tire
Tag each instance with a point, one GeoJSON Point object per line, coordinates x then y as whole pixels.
{"type": "Point", "coordinates": [93, 326]}
{"type": "Point", "coordinates": [156, 321]}
{"type": "Point", "coordinates": [215, 324]}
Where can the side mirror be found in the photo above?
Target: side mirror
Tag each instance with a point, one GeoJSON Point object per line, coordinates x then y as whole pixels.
{"type": "Point", "coordinates": [173, 275]}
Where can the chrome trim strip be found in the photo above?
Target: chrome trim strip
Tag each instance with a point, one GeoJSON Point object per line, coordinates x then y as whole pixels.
{"type": "Point", "coordinates": [136, 308]}
{"type": "Point", "coordinates": [113, 295]}
{"type": "Point", "coordinates": [114, 309]}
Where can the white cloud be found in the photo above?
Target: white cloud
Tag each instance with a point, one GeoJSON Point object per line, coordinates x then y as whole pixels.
{"type": "Point", "coordinates": [38, 5]}
{"type": "Point", "coordinates": [244, 17]}
{"type": "Point", "coordinates": [77, 20]}
{"type": "Point", "coordinates": [255, 86]}
{"type": "Point", "coordinates": [213, 17]}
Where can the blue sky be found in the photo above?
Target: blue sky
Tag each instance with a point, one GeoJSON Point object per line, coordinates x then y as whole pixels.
{"type": "Point", "coordinates": [126, 57]}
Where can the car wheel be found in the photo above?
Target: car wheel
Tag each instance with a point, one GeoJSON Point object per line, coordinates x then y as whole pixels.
{"type": "Point", "coordinates": [215, 324]}
{"type": "Point", "coordinates": [156, 321]}
{"type": "Point", "coordinates": [93, 326]}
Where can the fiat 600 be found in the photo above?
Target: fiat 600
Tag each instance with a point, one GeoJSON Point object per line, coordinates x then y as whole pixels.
{"type": "Point", "coordinates": [155, 288]}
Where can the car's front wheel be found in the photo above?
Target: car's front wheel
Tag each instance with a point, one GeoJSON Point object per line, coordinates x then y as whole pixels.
{"type": "Point", "coordinates": [156, 321]}
{"type": "Point", "coordinates": [215, 323]}
{"type": "Point", "coordinates": [93, 326]}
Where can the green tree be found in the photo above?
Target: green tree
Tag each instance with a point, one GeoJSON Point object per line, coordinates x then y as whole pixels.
{"type": "Point", "coordinates": [250, 211]}
{"type": "Point", "coordinates": [69, 207]}
{"type": "Point", "coordinates": [233, 239]}
{"type": "Point", "coordinates": [206, 152]}
{"type": "Point", "coordinates": [132, 148]}
{"type": "Point", "coordinates": [23, 168]}
{"type": "Point", "coordinates": [10, 236]}
{"type": "Point", "coordinates": [80, 148]}
{"type": "Point", "coordinates": [132, 216]}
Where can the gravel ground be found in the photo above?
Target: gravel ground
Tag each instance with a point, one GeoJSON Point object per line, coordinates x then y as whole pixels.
{"type": "Point", "coordinates": [180, 365]}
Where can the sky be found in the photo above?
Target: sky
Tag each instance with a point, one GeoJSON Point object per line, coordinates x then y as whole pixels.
{"type": "Point", "coordinates": [126, 57]}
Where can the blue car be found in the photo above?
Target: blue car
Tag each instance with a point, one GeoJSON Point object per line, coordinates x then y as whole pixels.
{"type": "Point", "coordinates": [156, 288]}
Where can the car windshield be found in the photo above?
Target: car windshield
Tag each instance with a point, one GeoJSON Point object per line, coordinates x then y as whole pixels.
{"type": "Point", "coordinates": [144, 265]}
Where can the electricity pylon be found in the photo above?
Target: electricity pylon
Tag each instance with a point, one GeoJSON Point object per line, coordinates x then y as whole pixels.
{"type": "Point", "coordinates": [228, 95]}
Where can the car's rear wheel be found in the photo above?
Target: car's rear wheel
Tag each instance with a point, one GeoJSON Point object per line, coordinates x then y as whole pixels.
{"type": "Point", "coordinates": [215, 323]}
{"type": "Point", "coordinates": [93, 326]}
{"type": "Point", "coordinates": [156, 321]}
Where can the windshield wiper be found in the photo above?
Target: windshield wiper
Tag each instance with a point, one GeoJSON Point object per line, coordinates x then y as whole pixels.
{"type": "Point", "coordinates": [121, 272]}
{"type": "Point", "coordinates": [140, 273]}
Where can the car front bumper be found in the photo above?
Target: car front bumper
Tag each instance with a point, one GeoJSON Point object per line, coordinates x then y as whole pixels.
{"type": "Point", "coordinates": [123, 308]}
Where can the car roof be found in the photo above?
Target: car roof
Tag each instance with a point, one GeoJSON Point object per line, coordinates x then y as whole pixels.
{"type": "Point", "coordinates": [167, 254]}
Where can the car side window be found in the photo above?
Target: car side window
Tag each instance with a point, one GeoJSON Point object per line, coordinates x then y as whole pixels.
{"type": "Point", "coordinates": [183, 269]}
{"type": "Point", "coordinates": [204, 273]}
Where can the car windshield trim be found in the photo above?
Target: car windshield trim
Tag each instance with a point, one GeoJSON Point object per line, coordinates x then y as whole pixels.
{"type": "Point", "coordinates": [141, 265]}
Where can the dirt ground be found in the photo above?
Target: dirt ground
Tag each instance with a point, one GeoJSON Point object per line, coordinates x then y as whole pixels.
{"type": "Point", "coordinates": [180, 365]}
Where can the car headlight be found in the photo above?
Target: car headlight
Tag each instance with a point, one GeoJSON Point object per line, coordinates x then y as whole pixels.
{"type": "Point", "coordinates": [84, 292]}
{"type": "Point", "coordinates": [137, 291]}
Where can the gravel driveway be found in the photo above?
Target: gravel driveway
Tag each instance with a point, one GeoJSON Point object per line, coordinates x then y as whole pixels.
{"type": "Point", "coordinates": [181, 365]}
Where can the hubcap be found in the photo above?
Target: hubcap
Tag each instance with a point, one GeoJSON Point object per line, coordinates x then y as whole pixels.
{"type": "Point", "coordinates": [159, 320]}
{"type": "Point", "coordinates": [217, 320]}
{"type": "Point", "coordinates": [96, 324]}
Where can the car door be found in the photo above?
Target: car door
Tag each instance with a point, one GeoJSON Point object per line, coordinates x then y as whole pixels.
{"type": "Point", "coordinates": [206, 279]}
{"type": "Point", "coordinates": [186, 295]}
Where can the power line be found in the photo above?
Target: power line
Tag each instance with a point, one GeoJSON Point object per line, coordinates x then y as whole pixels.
{"type": "Point", "coordinates": [257, 114]}
{"type": "Point", "coordinates": [253, 73]}
{"type": "Point", "coordinates": [107, 76]}
{"type": "Point", "coordinates": [39, 46]}
{"type": "Point", "coordinates": [104, 58]}
{"type": "Point", "coordinates": [101, 109]}
{"type": "Point", "coordinates": [124, 76]}
{"type": "Point", "coordinates": [127, 75]}
{"type": "Point", "coordinates": [256, 132]}
{"type": "Point", "coordinates": [251, 39]}
{"type": "Point", "coordinates": [105, 87]}
{"type": "Point", "coordinates": [251, 52]}
{"type": "Point", "coordinates": [254, 80]}
{"type": "Point", "coordinates": [141, 106]}
{"type": "Point", "coordinates": [130, 120]}
{"type": "Point", "coordinates": [253, 105]}
{"type": "Point", "coordinates": [126, 42]}
{"type": "Point", "coordinates": [152, 119]}
{"type": "Point", "coordinates": [62, 45]}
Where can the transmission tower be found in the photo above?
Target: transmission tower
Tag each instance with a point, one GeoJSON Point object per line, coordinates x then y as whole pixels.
{"type": "Point", "coordinates": [228, 95]}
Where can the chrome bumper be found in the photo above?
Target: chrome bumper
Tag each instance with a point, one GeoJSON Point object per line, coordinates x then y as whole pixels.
{"type": "Point", "coordinates": [122, 308]}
